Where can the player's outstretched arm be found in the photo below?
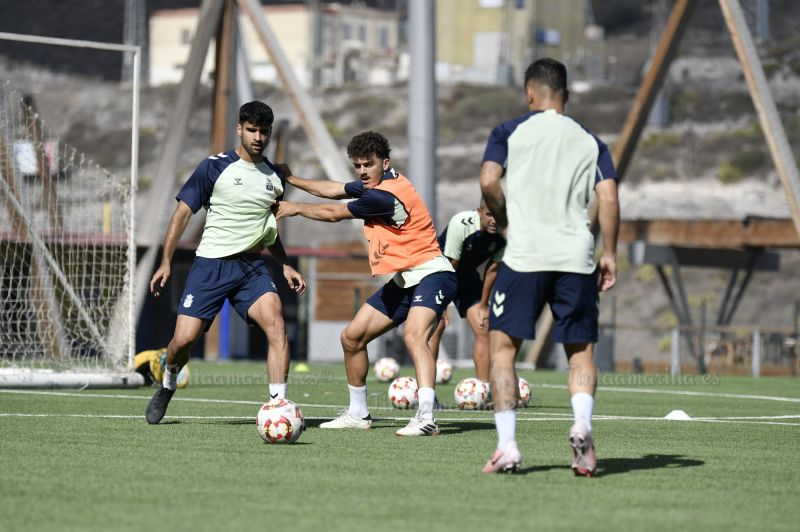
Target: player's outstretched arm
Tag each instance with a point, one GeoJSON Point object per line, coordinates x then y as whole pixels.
{"type": "Point", "coordinates": [323, 212]}
{"type": "Point", "coordinates": [608, 215]}
{"type": "Point", "coordinates": [292, 276]}
{"type": "Point", "coordinates": [491, 173]}
{"type": "Point", "coordinates": [322, 188]}
{"type": "Point", "coordinates": [177, 225]}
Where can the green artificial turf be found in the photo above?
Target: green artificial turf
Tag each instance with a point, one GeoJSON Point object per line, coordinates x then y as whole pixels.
{"type": "Point", "coordinates": [86, 460]}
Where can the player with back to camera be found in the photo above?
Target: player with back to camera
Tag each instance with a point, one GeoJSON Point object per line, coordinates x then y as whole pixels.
{"type": "Point", "coordinates": [552, 165]}
{"type": "Point", "coordinates": [238, 188]}
{"type": "Point", "coordinates": [474, 247]}
{"type": "Point", "coordinates": [402, 241]}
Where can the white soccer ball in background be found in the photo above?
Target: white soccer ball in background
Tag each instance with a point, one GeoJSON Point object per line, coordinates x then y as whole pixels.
{"type": "Point", "coordinates": [386, 369]}
{"type": "Point", "coordinates": [471, 394]}
{"type": "Point", "coordinates": [524, 393]}
{"type": "Point", "coordinates": [444, 371]}
{"type": "Point", "coordinates": [280, 421]}
{"type": "Point", "coordinates": [403, 393]}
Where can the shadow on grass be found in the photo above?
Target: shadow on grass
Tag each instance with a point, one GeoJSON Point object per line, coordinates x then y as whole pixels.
{"type": "Point", "coordinates": [614, 466]}
{"type": "Point", "coordinates": [456, 427]}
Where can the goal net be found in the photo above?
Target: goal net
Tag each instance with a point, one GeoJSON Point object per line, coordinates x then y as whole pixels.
{"type": "Point", "coordinates": [66, 260]}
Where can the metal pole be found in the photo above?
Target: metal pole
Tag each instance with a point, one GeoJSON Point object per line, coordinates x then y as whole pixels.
{"type": "Point", "coordinates": [422, 101]}
{"type": "Point", "coordinates": [132, 315]}
{"type": "Point", "coordinates": [701, 351]}
{"type": "Point", "coordinates": [756, 362]}
{"type": "Point", "coordinates": [675, 353]}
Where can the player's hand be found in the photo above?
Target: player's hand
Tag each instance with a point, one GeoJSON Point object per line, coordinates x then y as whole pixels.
{"type": "Point", "coordinates": [285, 210]}
{"type": "Point", "coordinates": [608, 272]}
{"type": "Point", "coordinates": [483, 316]}
{"type": "Point", "coordinates": [295, 280]}
{"type": "Point", "coordinates": [159, 280]}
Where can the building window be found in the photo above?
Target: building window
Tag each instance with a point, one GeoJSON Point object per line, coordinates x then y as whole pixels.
{"type": "Point", "coordinates": [347, 31]}
{"type": "Point", "coordinates": [383, 37]}
{"type": "Point", "coordinates": [362, 33]}
{"type": "Point", "coordinates": [519, 4]}
{"type": "Point", "coordinates": [186, 36]}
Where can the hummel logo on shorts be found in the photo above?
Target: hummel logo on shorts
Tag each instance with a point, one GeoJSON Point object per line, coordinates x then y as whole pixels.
{"type": "Point", "coordinates": [188, 301]}
{"type": "Point", "coordinates": [497, 305]}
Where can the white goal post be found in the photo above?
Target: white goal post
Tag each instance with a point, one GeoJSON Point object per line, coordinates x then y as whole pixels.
{"type": "Point", "coordinates": [67, 250]}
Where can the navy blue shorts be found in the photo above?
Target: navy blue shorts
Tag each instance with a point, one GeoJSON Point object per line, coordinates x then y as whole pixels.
{"type": "Point", "coordinates": [239, 279]}
{"type": "Point", "coordinates": [517, 300]}
{"type": "Point", "coordinates": [435, 291]}
{"type": "Point", "coordinates": [469, 293]}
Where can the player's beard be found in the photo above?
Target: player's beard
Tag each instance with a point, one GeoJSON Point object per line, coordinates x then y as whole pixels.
{"type": "Point", "coordinates": [254, 152]}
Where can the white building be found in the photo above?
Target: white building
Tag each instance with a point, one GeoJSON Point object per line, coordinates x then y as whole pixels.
{"type": "Point", "coordinates": [356, 44]}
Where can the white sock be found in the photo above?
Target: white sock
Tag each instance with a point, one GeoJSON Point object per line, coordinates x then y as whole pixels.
{"type": "Point", "coordinates": [426, 398]}
{"type": "Point", "coordinates": [277, 390]}
{"type": "Point", "coordinates": [506, 423]}
{"type": "Point", "coordinates": [582, 405]}
{"type": "Point", "coordinates": [170, 380]}
{"type": "Point", "coordinates": [358, 401]}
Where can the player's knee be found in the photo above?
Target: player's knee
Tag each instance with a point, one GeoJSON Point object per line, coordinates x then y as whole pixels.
{"type": "Point", "coordinates": [274, 328]}
{"type": "Point", "coordinates": [351, 341]}
{"type": "Point", "coordinates": [183, 340]}
{"type": "Point", "coordinates": [413, 337]}
{"type": "Point", "coordinates": [482, 334]}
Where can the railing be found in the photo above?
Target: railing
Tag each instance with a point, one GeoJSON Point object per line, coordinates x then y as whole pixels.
{"type": "Point", "coordinates": [743, 349]}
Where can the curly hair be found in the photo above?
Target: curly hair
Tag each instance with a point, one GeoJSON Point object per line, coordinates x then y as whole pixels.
{"type": "Point", "coordinates": [367, 144]}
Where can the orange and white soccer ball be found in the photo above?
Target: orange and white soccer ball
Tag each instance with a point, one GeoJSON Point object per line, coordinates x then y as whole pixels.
{"type": "Point", "coordinates": [280, 421]}
{"type": "Point", "coordinates": [444, 371]}
{"type": "Point", "coordinates": [386, 369]}
{"type": "Point", "coordinates": [471, 394]}
{"type": "Point", "coordinates": [403, 393]}
{"type": "Point", "coordinates": [524, 393]}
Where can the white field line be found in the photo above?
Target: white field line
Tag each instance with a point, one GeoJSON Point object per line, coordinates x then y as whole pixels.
{"type": "Point", "coordinates": [737, 420]}
{"type": "Point", "coordinates": [553, 386]}
{"type": "Point", "coordinates": [683, 392]}
{"type": "Point", "coordinates": [471, 415]}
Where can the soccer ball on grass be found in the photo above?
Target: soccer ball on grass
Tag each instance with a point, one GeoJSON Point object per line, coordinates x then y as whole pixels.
{"type": "Point", "coordinates": [524, 393]}
{"type": "Point", "coordinates": [471, 394]}
{"type": "Point", "coordinates": [403, 393]}
{"type": "Point", "coordinates": [444, 371]}
{"type": "Point", "coordinates": [386, 369]}
{"type": "Point", "coordinates": [280, 421]}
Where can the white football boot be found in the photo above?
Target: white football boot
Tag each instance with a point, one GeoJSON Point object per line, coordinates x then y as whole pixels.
{"type": "Point", "coordinates": [347, 421]}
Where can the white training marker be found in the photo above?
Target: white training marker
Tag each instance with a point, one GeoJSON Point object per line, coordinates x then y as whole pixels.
{"type": "Point", "coordinates": [678, 415]}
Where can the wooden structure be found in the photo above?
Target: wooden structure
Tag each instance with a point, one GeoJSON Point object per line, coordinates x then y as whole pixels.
{"type": "Point", "coordinates": [769, 120]}
{"type": "Point", "coordinates": [219, 19]}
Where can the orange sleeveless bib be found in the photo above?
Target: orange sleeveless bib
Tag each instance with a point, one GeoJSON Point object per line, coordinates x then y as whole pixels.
{"type": "Point", "coordinates": [395, 249]}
